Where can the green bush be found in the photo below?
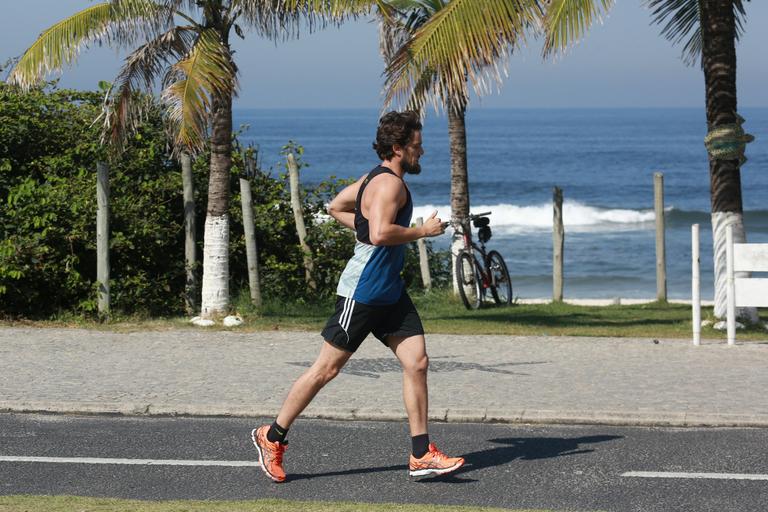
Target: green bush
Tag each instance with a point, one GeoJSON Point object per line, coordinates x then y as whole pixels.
{"type": "Point", "coordinates": [49, 146]}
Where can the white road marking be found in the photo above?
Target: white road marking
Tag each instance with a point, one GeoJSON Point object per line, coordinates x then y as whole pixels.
{"type": "Point", "coordinates": [713, 476]}
{"type": "Point", "coordinates": [131, 462]}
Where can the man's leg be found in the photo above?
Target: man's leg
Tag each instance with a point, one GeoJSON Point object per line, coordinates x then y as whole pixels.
{"type": "Point", "coordinates": [426, 459]}
{"type": "Point", "coordinates": [270, 440]}
{"type": "Point", "coordinates": [411, 351]}
{"type": "Point", "coordinates": [327, 365]}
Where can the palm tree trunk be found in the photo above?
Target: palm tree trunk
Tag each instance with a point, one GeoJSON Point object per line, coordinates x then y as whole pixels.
{"type": "Point", "coordinates": [215, 293]}
{"type": "Point", "coordinates": [718, 27]}
{"type": "Point", "coordinates": [457, 134]}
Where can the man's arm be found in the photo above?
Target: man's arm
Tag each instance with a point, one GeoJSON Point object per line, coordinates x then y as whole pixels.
{"type": "Point", "coordinates": [387, 194]}
{"type": "Point", "coordinates": [342, 207]}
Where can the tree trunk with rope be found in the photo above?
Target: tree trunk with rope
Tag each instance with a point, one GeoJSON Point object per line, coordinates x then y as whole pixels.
{"type": "Point", "coordinates": [718, 25]}
{"type": "Point", "coordinates": [457, 134]}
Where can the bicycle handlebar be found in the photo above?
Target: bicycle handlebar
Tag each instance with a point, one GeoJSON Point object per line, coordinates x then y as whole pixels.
{"type": "Point", "coordinates": [472, 216]}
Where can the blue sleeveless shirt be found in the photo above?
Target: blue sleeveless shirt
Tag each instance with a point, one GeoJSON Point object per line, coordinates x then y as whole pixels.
{"type": "Point", "coordinates": [372, 275]}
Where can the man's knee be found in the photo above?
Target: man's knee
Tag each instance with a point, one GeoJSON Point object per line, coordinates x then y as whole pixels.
{"type": "Point", "coordinates": [325, 373]}
{"type": "Point", "coordinates": [417, 365]}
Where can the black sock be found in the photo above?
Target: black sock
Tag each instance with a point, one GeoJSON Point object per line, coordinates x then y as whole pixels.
{"type": "Point", "coordinates": [277, 433]}
{"type": "Point", "coordinates": [420, 445]}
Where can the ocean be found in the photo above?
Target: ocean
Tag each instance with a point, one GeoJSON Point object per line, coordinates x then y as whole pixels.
{"type": "Point", "coordinates": [602, 159]}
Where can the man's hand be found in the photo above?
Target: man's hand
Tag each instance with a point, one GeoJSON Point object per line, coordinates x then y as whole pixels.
{"type": "Point", "coordinates": [433, 226]}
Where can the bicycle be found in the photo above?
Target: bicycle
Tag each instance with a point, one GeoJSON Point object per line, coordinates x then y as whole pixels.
{"type": "Point", "coordinates": [475, 276]}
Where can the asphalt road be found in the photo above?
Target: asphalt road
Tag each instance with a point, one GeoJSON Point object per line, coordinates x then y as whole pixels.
{"type": "Point", "coordinates": [552, 467]}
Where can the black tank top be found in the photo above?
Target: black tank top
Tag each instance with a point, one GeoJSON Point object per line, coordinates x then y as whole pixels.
{"type": "Point", "coordinates": [403, 217]}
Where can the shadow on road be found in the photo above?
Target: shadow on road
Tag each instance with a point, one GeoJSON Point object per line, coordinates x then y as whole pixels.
{"type": "Point", "coordinates": [530, 448]}
{"type": "Point", "coordinates": [374, 367]}
{"type": "Point", "coordinates": [360, 471]}
{"type": "Point", "coordinates": [523, 448]}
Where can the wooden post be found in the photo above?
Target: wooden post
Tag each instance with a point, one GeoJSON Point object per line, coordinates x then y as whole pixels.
{"type": "Point", "coordinates": [558, 242]}
{"type": "Point", "coordinates": [250, 241]}
{"type": "Point", "coordinates": [190, 243]}
{"type": "Point", "coordinates": [423, 259]}
{"type": "Point", "coordinates": [661, 259]}
{"type": "Point", "coordinates": [102, 237]}
{"type": "Point", "coordinates": [298, 214]}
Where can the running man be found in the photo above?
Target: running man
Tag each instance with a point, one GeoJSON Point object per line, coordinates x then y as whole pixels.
{"type": "Point", "coordinates": [372, 298]}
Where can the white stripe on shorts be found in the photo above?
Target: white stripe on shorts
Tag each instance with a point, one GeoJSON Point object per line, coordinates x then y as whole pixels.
{"type": "Point", "coordinates": [346, 314]}
{"type": "Point", "coordinates": [344, 311]}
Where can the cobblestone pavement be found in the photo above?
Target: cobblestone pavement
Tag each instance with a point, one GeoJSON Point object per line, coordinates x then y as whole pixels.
{"type": "Point", "coordinates": [472, 378]}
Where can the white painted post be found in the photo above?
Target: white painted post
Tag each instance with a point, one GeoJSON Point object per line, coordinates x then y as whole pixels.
{"type": "Point", "coordinates": [423, 259]}
{"type": "Point", "coordinates": [696, 284]}
{"type": "Point", "coordinates": [731, 306]}
{"type": "Point", "coordinates": [102, 237]}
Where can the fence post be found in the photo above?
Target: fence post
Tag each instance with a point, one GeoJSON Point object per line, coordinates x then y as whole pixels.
{"type": "Point", "coordinates": [558, 242]}
{"type": "Point", "coordinates": [298, 214]}
{"type": "Point", "coordinates": [661, 258]}
{"type": "Point", "coordinates": [102, 237]}
{"type": "Point", "coordinates": [251, 252]}
{"type": "Point", "coordinates": [696, 284]}
{"type": "Point", "coordinates": [423, 259]}
{"type": "Point", "coordinates": [190, 242]}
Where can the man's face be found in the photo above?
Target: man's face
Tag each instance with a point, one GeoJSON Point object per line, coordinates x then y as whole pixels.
{"type": "Point", "coordinates": [411, 154]}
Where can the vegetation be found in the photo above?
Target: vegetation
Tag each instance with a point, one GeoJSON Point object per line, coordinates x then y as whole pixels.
{"type": "Point", "coordinates": [441, 312]}
{"type": "Point", "coordinates": [199, 74]}
{"type": "Point", "coordinates": [48, 153]}
{"type": "Point", "coordinates": [68, 503]}
{"type": "Point", "coordinates": [48, 150]}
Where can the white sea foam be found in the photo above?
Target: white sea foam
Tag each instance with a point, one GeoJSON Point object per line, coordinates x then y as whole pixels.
{"type": "Point", "coordinates": [512, 218]}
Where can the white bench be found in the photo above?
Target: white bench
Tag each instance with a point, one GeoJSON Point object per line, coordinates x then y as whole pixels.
{"type": "Point", "coordinates": [744, 291]}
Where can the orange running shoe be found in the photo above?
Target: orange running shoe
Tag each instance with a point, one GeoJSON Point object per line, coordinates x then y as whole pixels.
{"type": "Point", "coordinates": [270, 454]}
{"type": "Point", "coordinates": [434, 462]}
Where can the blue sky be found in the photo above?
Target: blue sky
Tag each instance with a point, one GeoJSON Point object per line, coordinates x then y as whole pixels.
{"type": "Point", "coordinates": [623, 62]}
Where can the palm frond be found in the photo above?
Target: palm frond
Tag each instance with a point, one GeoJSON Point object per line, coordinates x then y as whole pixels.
{"type": "Point", "coordinates": [682, 22]}
{"type": "Point", "coordinates": [122, 111]}
{"type": "Point", "coordinates": [397, 24]}
{"type": "Point", "coordinates": [118, 23]}
{"type": "Point", "coordinates": [465, 40]}
{"type": "Point", "coordinates": [394, 31]}
{"type": "Point", "coordinates": [206, 73]}
{"type": "Point", "coordinates": [567, 21]}
{"type": "Point", "coordinates": [282, 19]}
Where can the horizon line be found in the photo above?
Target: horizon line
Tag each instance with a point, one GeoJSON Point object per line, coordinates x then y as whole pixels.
{"type": "Point", "coordinates": [481, 107]}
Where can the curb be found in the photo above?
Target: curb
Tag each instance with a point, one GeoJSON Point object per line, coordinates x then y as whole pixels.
{"type": "Point", "coordinates": [479, 415]}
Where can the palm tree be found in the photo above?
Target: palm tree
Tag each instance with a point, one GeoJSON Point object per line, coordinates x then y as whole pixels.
{"type": "Point", "coordinates": [187, 42]}
{"type": "Point", "coordinates": [710, 29]}
{"type": "Point", "coordinates": [433, 48]}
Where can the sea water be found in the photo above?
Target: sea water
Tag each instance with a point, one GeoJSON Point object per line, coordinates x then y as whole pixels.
{"type": "Point", "coordinates": [602, 159]}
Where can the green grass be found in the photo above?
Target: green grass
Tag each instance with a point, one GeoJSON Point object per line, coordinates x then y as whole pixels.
{"type": "Point", "coordinates": [73, 503]}
{"type": "Point", "coordinates": [443, 313]}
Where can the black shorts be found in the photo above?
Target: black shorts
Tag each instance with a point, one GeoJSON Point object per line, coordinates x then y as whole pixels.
{"type": "Point", "coordinates": [352, 322]}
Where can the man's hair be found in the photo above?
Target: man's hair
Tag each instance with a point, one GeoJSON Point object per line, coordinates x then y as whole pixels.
{"type": "Point", "coordinates": [395, 128]}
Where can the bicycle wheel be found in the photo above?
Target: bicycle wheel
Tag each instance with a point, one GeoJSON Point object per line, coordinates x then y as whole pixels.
{"type": "Point", "coordinates": [468, 280]}
{"type": "Point", "coordinates": [501, 283]}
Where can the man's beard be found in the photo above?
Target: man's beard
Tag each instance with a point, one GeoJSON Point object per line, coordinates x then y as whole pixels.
{"type": "Point", "coordinates": [410, 168]}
